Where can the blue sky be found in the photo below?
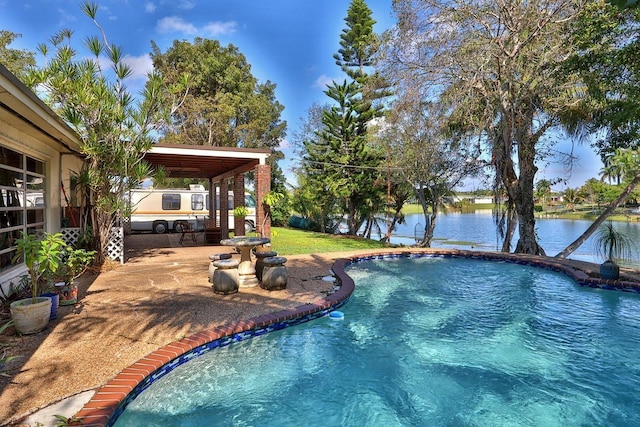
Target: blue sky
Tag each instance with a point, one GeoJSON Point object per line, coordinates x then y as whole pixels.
{"type": "Point", "coordinates": [288, 42]}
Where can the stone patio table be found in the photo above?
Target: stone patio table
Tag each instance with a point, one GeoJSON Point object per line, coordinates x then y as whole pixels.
{"type": "Point", "coordinates": [246, 270]}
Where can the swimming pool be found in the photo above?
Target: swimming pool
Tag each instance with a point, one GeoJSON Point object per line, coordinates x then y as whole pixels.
{"type": "Point", "coordinates": [455, 342]}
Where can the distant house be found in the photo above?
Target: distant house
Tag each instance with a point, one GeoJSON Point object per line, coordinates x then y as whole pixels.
{"type": "Point", "coordinates": [474, 200]}
{"type": "Point", "coordinates": [38, 154]}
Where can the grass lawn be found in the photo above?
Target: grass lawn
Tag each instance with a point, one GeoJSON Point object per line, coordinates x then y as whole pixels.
{"type": "Point", "coordinates": [290, 241]}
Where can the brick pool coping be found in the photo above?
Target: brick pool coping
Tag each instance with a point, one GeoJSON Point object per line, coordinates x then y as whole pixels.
{"type": "Point", "coordinates": [110, 400]}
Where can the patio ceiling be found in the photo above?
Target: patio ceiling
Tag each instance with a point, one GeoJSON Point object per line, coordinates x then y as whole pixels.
{"type": "Point", "coordinates": [197, 161]}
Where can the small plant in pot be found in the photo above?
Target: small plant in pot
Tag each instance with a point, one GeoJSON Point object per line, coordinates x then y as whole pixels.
{"type": "Point", "coordinates": [76, 262]}
{"type": "Point", "coordinates": [613, 246]}
{"type": "Point", "coordinates": [239, 212]}
{"type": "Point", "coordinates": [43, 258]}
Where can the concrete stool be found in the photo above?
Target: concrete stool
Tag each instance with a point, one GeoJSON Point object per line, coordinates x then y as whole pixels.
{"type": "Point", "coordinates": [260, 256]}
{"type": "Point", "coordinates": [225, 277]}
{"type": "Point", "coordinates": [275, 274]}
{"type": "Point", "coordinates": [212, 268]}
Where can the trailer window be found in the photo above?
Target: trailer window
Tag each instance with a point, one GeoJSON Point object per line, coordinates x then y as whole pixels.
{"type": "Point", "coordinates": [249, 202]}
{"type": "Point", "coordinates": [197, 202]}
{"type": "Point", "coordinates": [171, 202]}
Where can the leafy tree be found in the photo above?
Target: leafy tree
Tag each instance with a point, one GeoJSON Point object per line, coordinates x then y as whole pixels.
{"type": "Point", "coordinates": [607, 43]}
{"type": "Point", "coordinates": [115, 127]}
{"type": "Point", "coordinates": [430, 164]}
{"type": "Point", "coordinates": [225, 106]}
{"type": "Point", "coordinates": [314, 199]}
{"type": "Point", "coordinates": [600, 192]}
{"type": "Point", "coordinates": [281, 210]}
{"type": "Point", "coordinates": [15, 60]}
{"type": "Point", "coordinates": [494, 65]}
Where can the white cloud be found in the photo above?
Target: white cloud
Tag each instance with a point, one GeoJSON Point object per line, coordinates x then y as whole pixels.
{"type": "Point", "coordinates": [149, 7]}
{"type": "Point", "coordinates": [65, 17]}
{"type": "Point", "coordinates": [219, 28]}
{"type": "Point", "coordinates": [323, 81]}
{"type": "Point", "coordinates": [186, 4]}
{"type": "Point", "coordinates": [140, 65]}
{"type": "Point", "coordinates": [172, 24]}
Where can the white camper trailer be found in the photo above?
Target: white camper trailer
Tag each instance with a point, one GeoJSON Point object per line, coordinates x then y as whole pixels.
{"type": "Point", "coordinates": [166, 209]}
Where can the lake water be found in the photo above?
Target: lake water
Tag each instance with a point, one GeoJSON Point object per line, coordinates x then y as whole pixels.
{"type": "Point", "coordinates": [478, 231]}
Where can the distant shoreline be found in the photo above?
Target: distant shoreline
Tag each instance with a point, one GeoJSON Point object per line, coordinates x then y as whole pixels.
{"type": "Point", "coordinates": [583, 212]}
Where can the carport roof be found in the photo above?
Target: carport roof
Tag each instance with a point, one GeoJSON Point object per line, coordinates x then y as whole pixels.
{"type": "Point", "coordinates": [198, 161]}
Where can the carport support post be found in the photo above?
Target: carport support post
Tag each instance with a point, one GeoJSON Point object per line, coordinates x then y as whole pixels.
{"type": "Point", "coordinates": [263, 186]}
{"type": "Point", "coordinates": [224, 209]}
{"type": "Point", "coordinates": [212, 204]}
{"type": "Point", "coordinates": [238, 200]}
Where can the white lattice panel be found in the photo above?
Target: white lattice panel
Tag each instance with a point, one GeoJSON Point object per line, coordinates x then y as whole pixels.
{"type": "Point", "coordinates": [70, 235]}
{"type": "Point", "coordinates": [115, 247]}
{"type": "Point", "coordinates": [126, 222]}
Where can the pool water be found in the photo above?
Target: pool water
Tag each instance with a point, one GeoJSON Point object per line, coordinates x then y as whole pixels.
{"type": "Point", "coordinates": [426, 341]}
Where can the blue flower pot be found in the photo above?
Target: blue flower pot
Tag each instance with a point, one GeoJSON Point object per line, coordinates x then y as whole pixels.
{"type": "Point", "coordinates": [55, 299]}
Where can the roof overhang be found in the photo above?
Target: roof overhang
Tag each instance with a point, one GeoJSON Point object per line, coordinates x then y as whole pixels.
{"type": "Point", "coordinates": [198, 161]}
{"type": "Point", "coordinates": [22, 109]}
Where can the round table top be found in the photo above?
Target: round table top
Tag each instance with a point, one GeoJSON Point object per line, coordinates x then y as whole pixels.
{"type": "Point", "coordinates": [245, 241]}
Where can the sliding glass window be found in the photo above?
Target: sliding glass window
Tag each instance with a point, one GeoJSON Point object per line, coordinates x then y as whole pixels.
{"type": "Point", "coordinates": [22, 200]}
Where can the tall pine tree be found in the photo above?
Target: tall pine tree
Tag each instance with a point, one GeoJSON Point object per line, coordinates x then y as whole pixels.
{"type": "Point", "coordinates": [358, 42]}
{"type": "Point", "coordinates": [339, 160]}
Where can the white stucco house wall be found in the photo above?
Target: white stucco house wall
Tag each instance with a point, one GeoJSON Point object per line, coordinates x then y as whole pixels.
{"type": "Point", "coordinates": [38, 154]}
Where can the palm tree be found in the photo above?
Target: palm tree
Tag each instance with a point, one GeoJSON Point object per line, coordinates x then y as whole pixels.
{"type": "Point", "coordinates": [543, 191]}
{"type": "Point", "coordinates": [572, 197]}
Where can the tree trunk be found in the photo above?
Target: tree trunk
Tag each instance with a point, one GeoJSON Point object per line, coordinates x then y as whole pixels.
{"type": "Point", "coordinates": [419, 192]}
{"type": "Point", "coordinates": [351, 217]}
{"type": "Point", "coordinates": [603, 216]}
{"type": "Point", "coordinates": [512, 223]}
{"type": "Point", "coordinates": [392, 226]}
{"type": "Point", "coordinates": [430, 229]}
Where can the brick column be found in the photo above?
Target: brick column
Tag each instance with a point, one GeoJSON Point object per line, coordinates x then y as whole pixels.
{"type": "Point", "coordinates": [238, 200]}
{"type": "Point", "coordinates": [224, 209]}
{"type": "Point", "coordinates": [263, 186]}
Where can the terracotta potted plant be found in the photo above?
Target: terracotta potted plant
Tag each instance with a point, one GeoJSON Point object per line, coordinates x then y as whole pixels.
{"type": "Point", "coordinates": [43, 258]}
{"type": "Point", "coordinates": [613, 246]}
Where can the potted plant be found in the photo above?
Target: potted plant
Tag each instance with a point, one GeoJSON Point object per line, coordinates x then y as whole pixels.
{"type": "Point", "coordinates": [613, 246]}
{"type": "Point", "coordinates": [43, 258]}
{"type": "Point", "coordinates": [76, 262]}
{"type": "Point", "coordinates": [239, 212]}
